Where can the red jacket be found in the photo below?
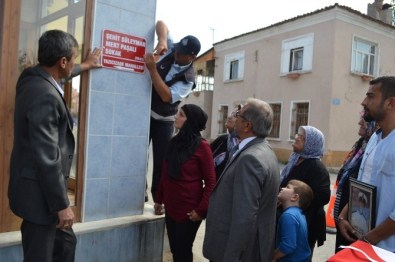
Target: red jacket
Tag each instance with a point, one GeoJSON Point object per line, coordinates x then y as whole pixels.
{"type": "Point", "coordinates": [193, 188]}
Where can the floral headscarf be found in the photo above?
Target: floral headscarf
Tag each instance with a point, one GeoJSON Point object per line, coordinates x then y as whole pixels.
{"type": "Point", "coordinates": [313, 148]}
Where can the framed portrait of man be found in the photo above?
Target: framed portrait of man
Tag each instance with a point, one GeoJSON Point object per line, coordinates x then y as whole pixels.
{"type": "Point", "coordinates": [362, 206]}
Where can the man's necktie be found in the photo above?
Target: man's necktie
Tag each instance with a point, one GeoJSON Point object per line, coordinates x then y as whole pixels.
{"type": "Point", "coordinates": [233, 150]}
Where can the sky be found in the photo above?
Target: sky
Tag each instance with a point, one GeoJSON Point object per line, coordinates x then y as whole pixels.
{"type": "Point", "coordinates": [212, 21]}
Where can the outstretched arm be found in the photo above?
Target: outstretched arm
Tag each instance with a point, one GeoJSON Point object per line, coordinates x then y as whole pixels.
{"type": "Point", "coordinates": [151, 58]}
{"type": "Point", "coordinates": [160, 86]}
{"type": "Point", "coordinates": [91, 60]}
{"type": "Point", "coordinates": [383, 231]}
{"type": "Point", "coordinates": [162, 32]}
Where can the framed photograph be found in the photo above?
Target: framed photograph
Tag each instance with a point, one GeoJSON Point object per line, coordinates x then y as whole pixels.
{"type": "Point", "coordinates": [362, 206]}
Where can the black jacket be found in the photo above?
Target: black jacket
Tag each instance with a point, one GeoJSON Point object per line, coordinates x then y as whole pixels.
{"type": "Point", "coordinates": [218, 146]}
{"type": "Point", "coordinates": [43, 149]}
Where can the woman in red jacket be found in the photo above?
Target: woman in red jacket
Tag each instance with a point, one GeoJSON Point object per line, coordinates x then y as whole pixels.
{"type": "Point", "coordinates": [187, 179]}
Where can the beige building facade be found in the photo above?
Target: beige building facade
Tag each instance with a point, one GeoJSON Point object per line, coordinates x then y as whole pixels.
{"type": "Point", "coordinates": [202, 94]}
{"type": "Point", "coordinates": [313, 69]}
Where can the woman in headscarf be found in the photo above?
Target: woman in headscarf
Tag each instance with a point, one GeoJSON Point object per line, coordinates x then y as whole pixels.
{"type": "Point", "coordinates": [187, 180]}
{"type": "Point", "coordinates": [305, 164]}
{"type": "Point", "coordinates": [349, 169]}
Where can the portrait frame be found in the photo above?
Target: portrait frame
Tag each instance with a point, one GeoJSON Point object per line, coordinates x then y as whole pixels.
{"type": "Point", "coordinates": [362, 207]}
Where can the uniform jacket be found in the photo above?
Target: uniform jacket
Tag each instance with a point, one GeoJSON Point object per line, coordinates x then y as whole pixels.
{"type": "Point", "coordinates": [163, 67]}
{"type": "Point", "coordinates": [241, 218]}
{"type": "Point", "coordinates": [43, 149]}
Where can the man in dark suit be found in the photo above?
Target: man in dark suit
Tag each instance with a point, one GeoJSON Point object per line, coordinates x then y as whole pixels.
{"type": "Point", "coordinates": [43, 152]}
{"type": "Point", "coordinates": [241, 218]}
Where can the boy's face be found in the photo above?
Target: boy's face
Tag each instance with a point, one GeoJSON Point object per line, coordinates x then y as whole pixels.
{"type": "Point", "coordinates": [286, 193]}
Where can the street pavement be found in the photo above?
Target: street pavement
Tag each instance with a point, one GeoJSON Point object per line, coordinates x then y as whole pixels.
{"type": "Point", "coordinates": [321, 254]}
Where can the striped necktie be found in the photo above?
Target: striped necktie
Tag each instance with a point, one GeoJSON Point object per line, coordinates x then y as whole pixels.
{"type": "Point", "coordinates": [233, 150]}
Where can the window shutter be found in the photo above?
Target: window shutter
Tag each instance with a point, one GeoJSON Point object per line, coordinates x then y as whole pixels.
{"type": "Point", "coordinates": [308, 57]}
{"type": "Point", "coordinates": [240, 73]}
{"type": "Point", "coordinates": [227, 69]}
{"type": "Point", "coordinates": [285, 60]}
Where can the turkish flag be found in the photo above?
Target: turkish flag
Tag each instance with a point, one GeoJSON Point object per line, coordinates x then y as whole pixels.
{"type": "Point", "coordinates": [362, 251]}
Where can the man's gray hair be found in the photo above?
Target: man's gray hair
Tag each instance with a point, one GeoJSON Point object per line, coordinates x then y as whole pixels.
{"type": "Point", "coordinates": [260, 114]}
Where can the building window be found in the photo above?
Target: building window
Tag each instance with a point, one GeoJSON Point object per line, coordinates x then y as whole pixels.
{"type": "Point", "coordinates": [299, 117]}
{"type": "Point", "coordinates": [296, 59]}
{"type": "Point", "coordinates": [364, 57]}
{"type": "Point", "coordinates": [297, 54]}
{"type": "Point", "coordinates": [223, 115]}
{"type": "Point", "coordinates": [234, 66]}
{"type": "Point", "coordinates": [234, 69]}
{"type": "Point", "coordinates": [275, 132]}
{"type": "Point", "coordinates": [204, 83]}
{"type": "Point", "coordinates": [210, 65]}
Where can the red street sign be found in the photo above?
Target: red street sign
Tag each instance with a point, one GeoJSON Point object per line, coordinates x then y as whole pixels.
{"type": "Point", "coordinates": [123, 52]}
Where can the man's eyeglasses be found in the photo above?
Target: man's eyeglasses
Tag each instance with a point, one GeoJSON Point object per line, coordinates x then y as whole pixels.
{"type": "Point", "coordinates": [241, 116]}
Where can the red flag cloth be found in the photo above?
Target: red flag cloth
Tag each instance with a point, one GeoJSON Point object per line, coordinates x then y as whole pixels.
{"type": "Point", "coordinates": [362, 251]}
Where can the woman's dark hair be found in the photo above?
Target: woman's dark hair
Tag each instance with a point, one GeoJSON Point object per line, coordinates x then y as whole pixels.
{"type": "Point", "coordinates": [184, 144]}
{"type": "Point", "coordinates": [53, 45]}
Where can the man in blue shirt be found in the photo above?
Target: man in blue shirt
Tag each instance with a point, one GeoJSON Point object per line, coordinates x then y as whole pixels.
{"type": "Point", "coordinates": [173, 78]}
{"type": "Point", "coordinates": [378, 165]}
